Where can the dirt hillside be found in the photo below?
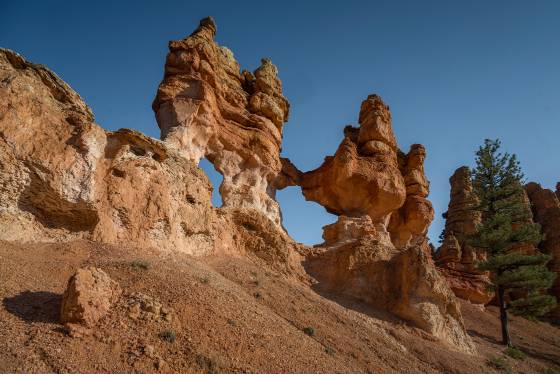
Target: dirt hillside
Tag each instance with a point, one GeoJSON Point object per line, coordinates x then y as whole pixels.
{"type": "Point", "coordinates": [229, 314]}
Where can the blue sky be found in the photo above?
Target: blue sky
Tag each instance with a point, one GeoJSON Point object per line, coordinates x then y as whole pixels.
{"type": "Point", "coordinates": [453, 73]}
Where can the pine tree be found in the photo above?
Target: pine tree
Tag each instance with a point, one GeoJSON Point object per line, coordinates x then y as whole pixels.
{"type": "Point", "coordinates": [441, 236]}
{"type": "Point", "coordinates": [497, 181]}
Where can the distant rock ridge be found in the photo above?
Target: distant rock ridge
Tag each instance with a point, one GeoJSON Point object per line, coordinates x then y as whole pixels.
{"type": "Point", "coordinates": [64, 178]}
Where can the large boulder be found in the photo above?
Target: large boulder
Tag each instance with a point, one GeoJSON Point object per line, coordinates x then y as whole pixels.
{"type": "Point", "coordinates": [89, 295]}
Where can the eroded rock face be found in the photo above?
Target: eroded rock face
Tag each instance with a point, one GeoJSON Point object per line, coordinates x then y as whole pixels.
{"type": "Point", "coordinates": [63, 177]}
{"type": "Point", "coordinates": [89, 295]}
{"type": "Point", "coordinates": [206, 107]}
{"type": "Point", "coordinates": [363, 177]}
{"type": "Point", "coordinates": [546, 211]}
{"type": "Point", "coordinates": [368, 175]}
{"type": "Point", "coordinates": [456, 258]}
{"type": "Point", "coordinates": [377, 250]}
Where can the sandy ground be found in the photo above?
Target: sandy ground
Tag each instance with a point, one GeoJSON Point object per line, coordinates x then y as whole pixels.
{"type": "Point", "coordinates": [230, 315]}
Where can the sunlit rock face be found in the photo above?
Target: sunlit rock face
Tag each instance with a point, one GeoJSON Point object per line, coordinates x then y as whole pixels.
{"type": "Point", "coordinates": [369, 177]}
{"type": "Point", "coordinates": [63, 177]}
{"type": "Point", "coordinates": [377, 250]}
{"type": "Point", "coordinates": [546, 212]}
{"type": "Point", "coordinates": [206, 107]}
{"type": "Point", "coordinates": [456, 258]}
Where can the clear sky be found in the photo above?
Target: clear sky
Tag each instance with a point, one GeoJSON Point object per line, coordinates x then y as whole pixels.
{"type": "Point", "coordinates": [453, 73]}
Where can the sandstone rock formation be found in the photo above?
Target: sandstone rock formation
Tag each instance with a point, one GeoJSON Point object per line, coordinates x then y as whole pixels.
{"type": "Point", "coordinates": [62, 177]}
{"type": "Point", "coordinates": [88, 297]}
{"type": "Point", "coordinates": [456, 258]}
{"type": "Point", "coordinates": [206, 107]}
{"type": "Point", "coordinates": [377, 250]}
{"type": "Point", "coordinates": [546, 211]}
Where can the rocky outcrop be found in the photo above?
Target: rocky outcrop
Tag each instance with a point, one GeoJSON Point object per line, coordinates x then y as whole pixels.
{"type": "Point", "coordinates": [377, 250]}
{"type": "Point", "coordinates": [546, 211]}
{"type": "Point", "coordinates": [89, 295]}
{"type": "Point", "coordinates": [206, 107]}
{"type": "Point", "coordinates": [63, 177]}
{"type": "Point", "coordinates": [369, 176]}
{"type": "Point", "coordinates": [456, 258]}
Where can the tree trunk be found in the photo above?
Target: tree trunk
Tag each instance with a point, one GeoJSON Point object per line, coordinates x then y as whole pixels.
{"type": "Point", "coordinates": [506, 340]}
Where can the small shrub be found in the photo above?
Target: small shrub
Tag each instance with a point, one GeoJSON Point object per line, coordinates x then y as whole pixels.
{"type": "Point", "coordinates": [515, 353]}
{"type": "Point", "coordinates": [309, 331]}
{"type": "Point", "coordinates": [258, 295]}
{"type": "Point", "coordinates": [330, 351]}
{"type": "Point", "coordinates": [140, 264]}
{"type": "Point", "coordinates": [232, 322]}
{"type": "Point", "coordinates": [168, 335]}
{"type": "Point", "coordinates": [205, 280]}
{"type": "Point", "coordinates": [548, 371]}
{"type": "Point", "coordinates": [499, 363]}
{"type": "Point", "coordinates": [208, 364]}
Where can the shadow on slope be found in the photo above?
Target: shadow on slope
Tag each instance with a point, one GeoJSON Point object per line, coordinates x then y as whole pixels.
{"type": "Point", "coordinates": [40, 306]}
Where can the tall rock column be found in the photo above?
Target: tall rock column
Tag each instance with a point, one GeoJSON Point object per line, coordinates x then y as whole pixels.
{"type": "Point", "coordinates": [546, 212]}
{"type": "Point", "coordinates": [206, 107]}
{"type": "Point", "coordinates": [456, 258]}
{"type": "Point", "coordinates": [414, 217]}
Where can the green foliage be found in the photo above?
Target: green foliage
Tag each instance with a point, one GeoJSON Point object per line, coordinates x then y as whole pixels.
{"type": "Point", "coordinates": [140, 264]}
{"type": "Point", "coordinates": [533, 305]}
{"type": "Point", "coordinates": [208, 364]}
{"type": "Point", "coordinates": [515, 353]}
{"type": "Point", "coordinates": [499, 363]}
{"type": "Point", "coordinates": [441, 236]}
{"type": "Point", "coordinates": [330, 351]}
{"type": "Point", "coordinates": [309, 331]}
{"type": "Point", "coordinates": [497, 181]}
{"type": "Point", "coordinates": [205, 279]}
{"type": "Point", "coordinates": [232, 322]}
{"type": "Point", "coordinates": [168, 335]}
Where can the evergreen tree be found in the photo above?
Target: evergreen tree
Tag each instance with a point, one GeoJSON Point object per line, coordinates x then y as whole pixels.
{"type": "Point", "coordinates": [497, 181]}
{"type": "Point", "coordinates": [441, 236]}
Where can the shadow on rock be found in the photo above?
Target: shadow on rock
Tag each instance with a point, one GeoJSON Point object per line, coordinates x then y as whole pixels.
{"type": "Point", "coordinates": [41, 306]}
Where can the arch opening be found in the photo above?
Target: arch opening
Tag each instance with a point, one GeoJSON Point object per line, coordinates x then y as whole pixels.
{"type": "Point", "coordinates": [302, 219]}
{"type": "Point", "coordinates": [216, 180]}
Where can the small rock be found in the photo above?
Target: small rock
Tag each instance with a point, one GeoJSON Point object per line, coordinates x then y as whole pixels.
{"type": "Point", "coordinates": [161, 364]}
{"type": "Point", "coordinates": [149, 350]}
{"type": "Point", "coordinates": [77, 331]}
{"type": "Point", "coordinates": [134, 311]}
